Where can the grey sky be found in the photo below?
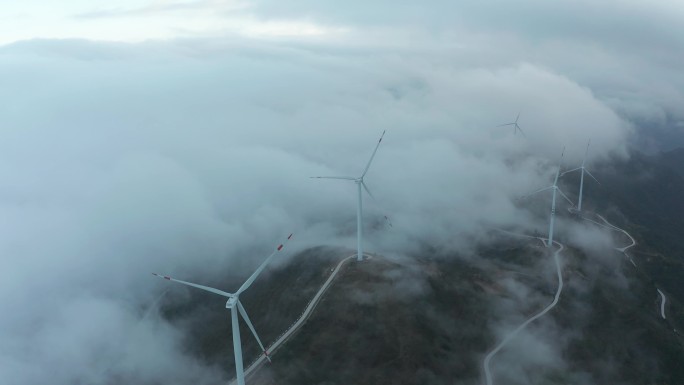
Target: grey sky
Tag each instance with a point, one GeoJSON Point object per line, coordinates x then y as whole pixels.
{"type": "Point", "coordinates": [627, 52]}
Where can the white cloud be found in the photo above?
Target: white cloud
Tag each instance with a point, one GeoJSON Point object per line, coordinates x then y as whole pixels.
{"type": "Point", "coordinates": [190, 155]}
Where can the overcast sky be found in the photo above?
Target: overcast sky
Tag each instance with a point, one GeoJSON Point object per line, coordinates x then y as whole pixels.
{"type": "Point", "coordinates": [178, 137]}
{"type": "Point", "coordinates": [627, 52]}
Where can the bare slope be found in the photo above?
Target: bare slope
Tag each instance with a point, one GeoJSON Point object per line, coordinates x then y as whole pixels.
{"type": "Point", "coordinates": [431, 320]}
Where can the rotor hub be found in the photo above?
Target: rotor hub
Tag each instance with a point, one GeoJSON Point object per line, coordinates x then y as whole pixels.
{"type": "Point", "coordinates": [232, 301]}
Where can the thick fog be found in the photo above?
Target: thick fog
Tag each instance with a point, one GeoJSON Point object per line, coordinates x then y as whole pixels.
{"type": "Point", "coordinates": [192, 157]}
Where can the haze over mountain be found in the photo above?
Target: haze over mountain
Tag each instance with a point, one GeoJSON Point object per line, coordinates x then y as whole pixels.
{"type": "Point", "coordinates": [178, 137]}
{"type": "Point", "coordinates": [433, 316]}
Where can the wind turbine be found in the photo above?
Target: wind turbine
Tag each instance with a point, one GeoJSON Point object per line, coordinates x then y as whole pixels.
{"type": "Point", "coordinates": [235, 306]}
{"type": "Point", "coordinates": [579, 202]}
{"type": "Point", "coordinates": [515, 125]}
{"type": "Point", "coordinates": [555, 189]}
{"type": "Point", "coordinates": [359, 212]}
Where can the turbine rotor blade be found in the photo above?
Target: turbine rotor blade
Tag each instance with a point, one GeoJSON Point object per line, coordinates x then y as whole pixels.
{"type": "Point", "coordinates": [574, 169]}
{"type": "Point", "coordinates": [555, 181]}
{"type": "Point", "coordinates": [206, 288]}
{"type": "Point", "coordinates": [565, 196]}
{"type": "Point", "coordinates": [588, 173]}
{"type": "Point", "coordinates": [367, 190]}
{"type": "Point", "coordinates": [520, 129]}
{"type": "Point", "coordinates": [333, 177]}
{"type": "Point", "coordinates": [506, 124]}
{"type": "Point", "coordinates": [536, 192]}
{"type": "Point", "coordinates": [560, 164]}
{"type": "Point", "coordinates": [586, 153]}
{"type": "Point", "coordinates": [243, 312]}
{"type": "Point", "coordinates": [258, 271]}
{"type": "Point", "coordinates": [373, 155]}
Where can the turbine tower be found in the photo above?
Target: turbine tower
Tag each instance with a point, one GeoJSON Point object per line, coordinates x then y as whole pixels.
{"type": "Point", "coordinates": [515, 125]}
{"type": "Point", "coordinates": [359, 208]}
{"type": "Point", "coordinates": [555, 189]}
{"type": "Point", "coordinates": [583, 170]}
{"type": "Point", "coordinates": [235, 306]}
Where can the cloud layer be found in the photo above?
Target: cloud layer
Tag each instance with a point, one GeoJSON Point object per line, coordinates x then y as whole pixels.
{"type": "Point", "coordinates": [192, 157]}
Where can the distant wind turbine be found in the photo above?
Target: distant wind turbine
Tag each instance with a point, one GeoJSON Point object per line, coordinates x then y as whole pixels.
{"type": "Point", "coordinates": [555, 189]}
{"type": "Point", "coordinates": [359, 209]}
{"type": "Point", "coordinates": [235, 306]}
{"type": "Point", "coordinates": [515, 125]}
{"type": "Point", "coordinates": [584, 170]}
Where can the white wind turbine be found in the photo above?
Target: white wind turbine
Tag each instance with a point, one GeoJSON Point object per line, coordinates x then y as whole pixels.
{"type": "Point", "coordinates": [235, 306]}
{"type": "Point", "coordinates": [359, 212]}
{"type": "Point", "coordinates": [583, 169]}
{"type": "Point", "coordinates": [515, 125]}
{"type": "Point", "coordinates": [555, 189]}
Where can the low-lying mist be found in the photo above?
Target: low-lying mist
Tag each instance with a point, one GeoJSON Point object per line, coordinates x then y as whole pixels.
{"type": "Point", "coordinates": [194, 161]}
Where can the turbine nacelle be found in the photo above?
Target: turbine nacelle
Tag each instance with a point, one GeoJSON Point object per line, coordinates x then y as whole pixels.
{"type": "Point", "coordinates": [232, 302]}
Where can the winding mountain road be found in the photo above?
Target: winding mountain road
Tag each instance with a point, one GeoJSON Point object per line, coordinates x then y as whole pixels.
{"type": "Point", "coordinates": [621, 249]}
{"type": "Point", "coordinates": [611, 226]}
{"type": "Point", "coordinates": [624, 251]}
{"type": "Point", "coordinates": [487, 360]}
{"type": "Point", "coordinates": [256, 364]}
{"type": "Point", "coordinates": [662, 303]}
